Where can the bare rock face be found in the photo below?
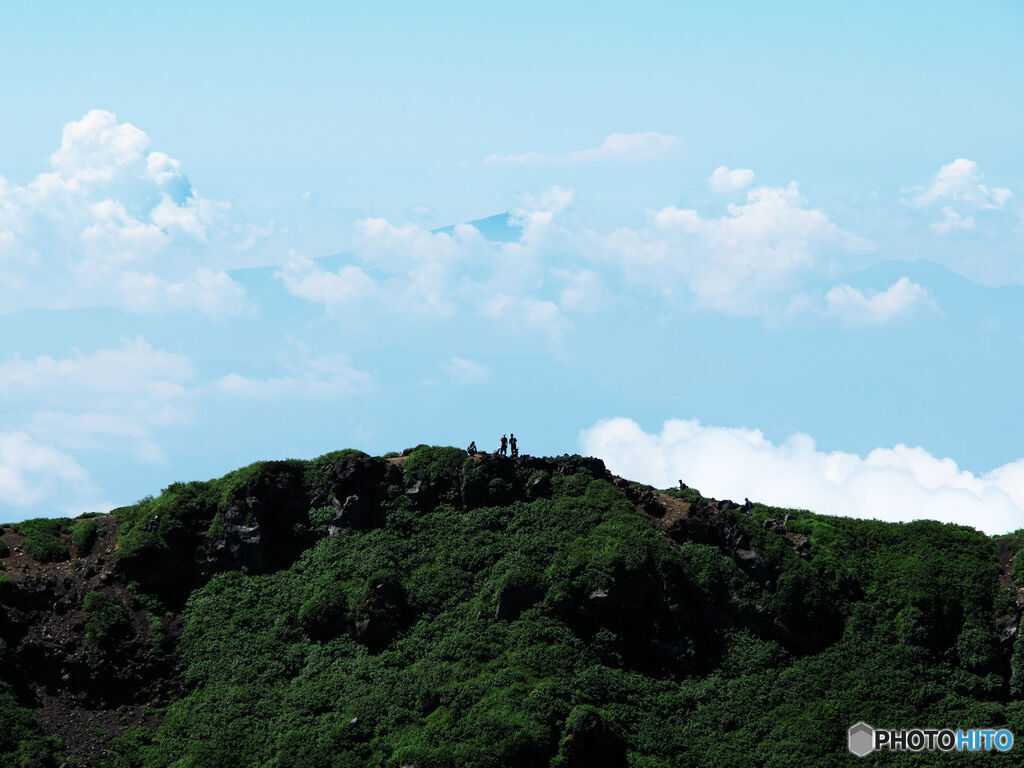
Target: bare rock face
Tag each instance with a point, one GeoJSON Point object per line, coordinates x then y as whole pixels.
{"type": "Point", "coordinates": [259, 520]}
{"type": "Point", "coordinates": [358, 492]}
{"type": "Point", "coordinates": [711, 523]}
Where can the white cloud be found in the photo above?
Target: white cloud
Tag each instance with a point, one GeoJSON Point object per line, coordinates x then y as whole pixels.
{"type": "Point", "coordinates": [463, 371]}
{"type": "Point", "coordinates": [306, 377]}
{"type": "Point", "coordinates": [892, 484]}
{"type": "Point", "coordinates": [116, 398]}
{"type": "Point", "coordinates": [528, 314]}
{"type": "Point", "coordinates": [134, 367]}
{"type": "Point", "coordinates": [960, 181]}
{"type": "Point", "coordinates": [31, 471]}
{"type": "Point", "coordinates": [740, 263]}
{"type": "Point", "coordinates": [952, 221]}
{"type": "Point", "coordinates": [752, 260]}
{"type": "Point", "coordinates": [214, 294]}
{"type": "Point", "coordinates": [96, 147]}
{"type": "Point", "coordinates": [406, 270]}
{"type": "Point", "coordinates": [108, 217]}
{"type": "Point", "coordinates": [645, 145]}
{"type": "Point", "coordinates": [547, 203]}
{"type": "Point", "coordinates": [723, 180]}
{"type": "Point", "coordinates": [87, 401]}
{"type": "Point", "coordinates": [582, 290]}
{"type": "Point", "coordinates": [627, 146]}
{"type": "Point", "coordinates": [854, 307]}
{"type": "Point", "coordinates": [348, 285]}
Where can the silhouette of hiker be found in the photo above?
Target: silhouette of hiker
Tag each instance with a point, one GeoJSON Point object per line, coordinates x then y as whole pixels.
{"type": "Point", "coordinates": [514, 445]}
{"type": "Point", "coordinates": [504, 445]}
{"type": "Point", "coordinates": [472, 448]}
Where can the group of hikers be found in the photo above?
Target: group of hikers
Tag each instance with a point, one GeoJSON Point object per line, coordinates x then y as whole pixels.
{"type": "Point", "coordinates": [507, 443]}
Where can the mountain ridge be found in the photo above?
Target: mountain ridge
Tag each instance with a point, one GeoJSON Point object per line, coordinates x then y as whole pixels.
{"type": "Point", "coordinates": [484, 565]}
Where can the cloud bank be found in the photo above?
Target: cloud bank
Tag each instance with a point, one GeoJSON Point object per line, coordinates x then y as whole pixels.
{"type": "Point", "coordinates": [113, 223]}
{"type": "Point", "coordinates": [892, 484]}
{"type": "Point", "coordinates": [749, 261]}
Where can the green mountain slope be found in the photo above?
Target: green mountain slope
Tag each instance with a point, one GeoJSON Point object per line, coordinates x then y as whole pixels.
{"type": "Point", "coordinates": [434, 610]}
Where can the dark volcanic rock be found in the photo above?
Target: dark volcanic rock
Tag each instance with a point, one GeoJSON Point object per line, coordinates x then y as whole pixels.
{"type": "Point", "coordinates": [358, 490]}
{"type": "Point", "coordinates": [712, 524]}
{"type": "Point", "coordinates": [259, 519]}
{"type": "Point", "coordinates": [513, 600]}
{"type": "Point", "coordinates": [590, 742]}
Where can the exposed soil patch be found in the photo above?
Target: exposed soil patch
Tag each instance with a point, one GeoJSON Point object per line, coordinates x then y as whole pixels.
{"type": "Point", "coordinates": [675, 509]}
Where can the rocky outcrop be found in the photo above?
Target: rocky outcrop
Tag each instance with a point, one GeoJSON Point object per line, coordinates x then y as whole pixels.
{"type": "Point", "coordinates": [709, 522]}
{"type": "Point", "coordinates": [258, 520]}
{"type": "Point", "coordinates": [358, 490]}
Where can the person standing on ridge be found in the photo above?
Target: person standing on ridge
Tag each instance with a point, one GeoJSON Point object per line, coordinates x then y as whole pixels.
{"type": "Point", "coordinates": [514, 445]}
{"type": "Point", "coordinates": [504, 445]}
{"type": "Point", "coordinates": [472, 448]}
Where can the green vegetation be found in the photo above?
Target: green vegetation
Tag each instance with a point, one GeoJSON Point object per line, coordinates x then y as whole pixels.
{"type": "Point", "coordinates": [531, 614]}
{"type": "Point", "coordinates": [106, 621]}
{"type": "Point", "coordinates": [43, 538]}
{"type": "Point", "coordinates": [433, 464]}
{"type": "Point", "coordinates": [4, 550]}
{"type": "Point", "coordinates": [83, 536]}
{"type": "Point", "coordinates": [22, 743]}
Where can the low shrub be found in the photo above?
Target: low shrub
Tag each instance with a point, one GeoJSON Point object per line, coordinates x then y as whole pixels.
{"type": "Point", "coordinates": [322, 616]}
{"type": "Point", "coordinates": [46, 548]}
{"type": "Point", "coordinates": [42, 538]}
{"type": "Point", "coordinates": [83, 536]}
{"type": "Point", "coordinates": [432, 463]}
{"type": "Point", "coordinates": [106, 621]}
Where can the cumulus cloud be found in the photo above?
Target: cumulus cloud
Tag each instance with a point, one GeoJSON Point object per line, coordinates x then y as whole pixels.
{"type": "Point", "coordinates": [743, 262]}
{"type": "Point", "coordinates": [960, 181]}
{"type": "Point", "coordinates": [111, 216]}
{"type": "Point", "coordinates": [463, 371]}
{"type": "Point", "coordinates": [892, 484]}
{"type": "Point", "coordinates": [343, 287]}
{"type": "Point", "coordinates": [31, 471]}
{"type": "Point", "coordinates": [430, 275]}
{"type": "Point", "coordinates": [646, 145]}
{"type": "Point", "coordinates": [723, 180]}
{"type": "Point", "coordinates": [854, 307]}
{"type": "Point", "coordinates": [750, 260]}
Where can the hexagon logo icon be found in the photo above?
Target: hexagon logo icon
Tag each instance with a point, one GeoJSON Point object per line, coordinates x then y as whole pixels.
{"type": "Point", "coordinates": [861, 739]}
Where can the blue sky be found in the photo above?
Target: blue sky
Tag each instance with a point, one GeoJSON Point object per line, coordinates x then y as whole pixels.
{"type": "Point", "coordinates": [775, 251]}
